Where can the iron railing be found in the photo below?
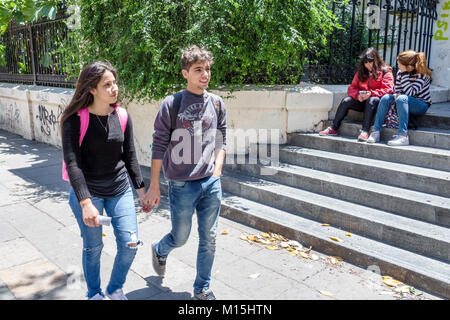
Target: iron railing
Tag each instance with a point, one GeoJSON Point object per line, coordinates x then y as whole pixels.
{"type": "Point", "coordinates": [390, 26]}
{"type": "Point", "coordinates": [31, 53]}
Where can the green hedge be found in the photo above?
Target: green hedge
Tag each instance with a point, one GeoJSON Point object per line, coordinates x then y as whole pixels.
{"type": "Point", "coordinates": [253, 41]}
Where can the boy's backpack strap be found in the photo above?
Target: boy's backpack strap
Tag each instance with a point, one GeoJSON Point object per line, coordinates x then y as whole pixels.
{"type": "Point", "coordinates": [173, 110]}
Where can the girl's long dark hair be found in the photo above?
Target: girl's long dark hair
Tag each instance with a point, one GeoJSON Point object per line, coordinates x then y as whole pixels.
{"type": "Point", "coordinates": [370, 54]}
{"type": "Point", "coordinates": [88, 80]}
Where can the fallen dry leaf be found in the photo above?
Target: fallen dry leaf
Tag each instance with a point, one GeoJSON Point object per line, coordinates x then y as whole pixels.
{"type": "Point", "coordinates": [314, 257]}
{"type": "Point", "coordinates": [336, 239]}
{"type": "Point", "coordinates": [304, 255]}
{"type": "Point", "coordinates": [326, 293]}
{"type": "Point", "coordinates": [348, 234]}
{"type": "Point", "coordinates": [277, 236]}
{"type": "Point", "coordinates": [294, 243]}
{"type": "Point", "coordinates": [224, 232]}
{"type": "Point", "coordinates": [284, 245]}
{"type": "Point", "coordinates": [335, 260]}
{"type": "Point", "coordinates": [391, 282]}
{"type": "Point", "coordinates": [272, 247]}
{"type": "Point", "coordinates": [325, 225]}
{"type": "Point", "coordinates": [243, 237]}
{"type": "Point", "coordinates": [309, 250]}
{"type": "Point", "coordinates": [265, 235]}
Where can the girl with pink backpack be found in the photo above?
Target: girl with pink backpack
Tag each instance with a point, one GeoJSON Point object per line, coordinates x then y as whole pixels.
{"type": "Point", "coordinates": [99, 159]}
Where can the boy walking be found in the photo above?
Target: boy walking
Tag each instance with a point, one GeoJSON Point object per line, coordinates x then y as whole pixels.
{"type": "Point", "coordinates": [189, 143]}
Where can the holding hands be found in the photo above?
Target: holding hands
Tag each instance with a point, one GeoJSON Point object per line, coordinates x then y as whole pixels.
{"type": "Point", "coordinates": [151, 198]}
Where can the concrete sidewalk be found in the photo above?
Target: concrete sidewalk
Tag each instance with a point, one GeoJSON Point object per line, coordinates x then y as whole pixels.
{"type": "Point", "coordinates": [40, 248]}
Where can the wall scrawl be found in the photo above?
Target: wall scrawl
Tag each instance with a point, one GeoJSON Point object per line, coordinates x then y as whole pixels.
{"type": "Point", "coordinates": [10, 117]}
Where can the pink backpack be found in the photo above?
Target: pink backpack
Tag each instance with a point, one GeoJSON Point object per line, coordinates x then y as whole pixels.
{"type": "Point", "coordinates": [84, 123]}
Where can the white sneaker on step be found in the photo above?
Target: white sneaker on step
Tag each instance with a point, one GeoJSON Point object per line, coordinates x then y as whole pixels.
{"type": "Point", "coordinates": [374, 137]}
{"type": "Point", "coordinates": [399, 140]}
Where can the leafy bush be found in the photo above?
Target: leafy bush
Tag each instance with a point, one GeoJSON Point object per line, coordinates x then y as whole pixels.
{"type": "Point", "coordinates": [253, 41]}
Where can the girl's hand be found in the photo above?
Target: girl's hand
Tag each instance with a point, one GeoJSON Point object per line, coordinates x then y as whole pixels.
{"type": "Point", "coordinates": [141, 194]}
{"type": "Point", "coordinates": [90, 213]}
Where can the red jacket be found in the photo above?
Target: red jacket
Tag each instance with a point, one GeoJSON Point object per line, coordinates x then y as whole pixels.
{"type": "Point", "coordinates": [378, 88]}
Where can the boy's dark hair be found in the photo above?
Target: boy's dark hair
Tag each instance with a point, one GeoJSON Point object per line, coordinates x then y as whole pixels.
{"type": "Point", "coordinates": [193, 54]}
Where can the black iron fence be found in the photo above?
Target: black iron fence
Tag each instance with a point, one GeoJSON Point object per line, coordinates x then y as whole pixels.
{"type": "Point", "coordinates": [391, 26]}
{"type": "Point", "coordinates": [31, 53]}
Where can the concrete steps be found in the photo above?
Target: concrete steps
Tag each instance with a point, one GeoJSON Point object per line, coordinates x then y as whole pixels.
{"type": "Point", "coordinates": [416, 178]}
{"type": "Point", "coordinates": [422, 272]}
{"type": "Point", "coordinates": [421, 156]}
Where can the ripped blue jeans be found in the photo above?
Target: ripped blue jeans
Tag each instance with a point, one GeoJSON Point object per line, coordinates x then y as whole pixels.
{"type": "Point", "coordinates": [123, 213]}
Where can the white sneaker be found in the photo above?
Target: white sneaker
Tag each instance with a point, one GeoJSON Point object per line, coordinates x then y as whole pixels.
{"type": "Point", "coordinates": [399, 140]}
{"type": "Point", "coordinates": [117, 295]}
{"type": "Point", "coordinates": [374, 137]}
{"type": "Point", "coordinates": [98, 296]}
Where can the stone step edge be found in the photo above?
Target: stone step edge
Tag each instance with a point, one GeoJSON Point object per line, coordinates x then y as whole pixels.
{"type": "Point", "coordinates": [433, 281]}
{"type": "Point", "coordinates": [352, 140]}
{"type": "Point", "coordinates": [369, 162]}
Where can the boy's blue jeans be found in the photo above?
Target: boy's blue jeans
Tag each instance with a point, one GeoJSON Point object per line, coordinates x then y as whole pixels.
{"type": "Point", "coordinates": [405, 105]}
{"type": "Point", "coordinates": [204, 196]}
{"type": "Point", "coordinates": [123, 213]}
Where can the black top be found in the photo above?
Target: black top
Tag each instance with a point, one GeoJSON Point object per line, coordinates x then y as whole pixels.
{"type": "Point", "coordinates": [99, 167]}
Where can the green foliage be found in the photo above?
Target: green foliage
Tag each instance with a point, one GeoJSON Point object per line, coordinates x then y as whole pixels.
{"type": "Point", "coordinates": [253, 41]}
{"type": "Point", "coordinates": [2, 56]}
{"type": "Point", "coordinates": [21, 11]}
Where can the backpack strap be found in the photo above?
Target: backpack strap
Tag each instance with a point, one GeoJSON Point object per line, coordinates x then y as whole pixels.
{"type": "Point", "coordinates": [123, 117]}
{"type": "Point", "coordinates": [84, 122]}
{"type": "Point", "coordinates": [173, 110]}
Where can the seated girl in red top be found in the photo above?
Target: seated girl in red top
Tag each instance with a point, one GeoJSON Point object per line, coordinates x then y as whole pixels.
{"type": "Point", "coordinates": [373, 79]}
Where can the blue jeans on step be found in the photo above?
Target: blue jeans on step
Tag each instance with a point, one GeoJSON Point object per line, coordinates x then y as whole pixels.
{"type": "Point", "coordinates": [405, 105]}
{"type": "Point", "coordinates": [204, 196]}
{"type": "Point", "coordinates": [123, 213]}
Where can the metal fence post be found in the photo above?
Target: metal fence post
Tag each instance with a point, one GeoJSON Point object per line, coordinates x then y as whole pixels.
{"type": "Point", "coordinates": [33, 64]}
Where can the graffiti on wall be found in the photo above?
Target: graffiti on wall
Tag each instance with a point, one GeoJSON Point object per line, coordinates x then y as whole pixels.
{"type": "Point", "coordinates": [49, 119]}
{"type": "Point", "coordinates": [10, 115]}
